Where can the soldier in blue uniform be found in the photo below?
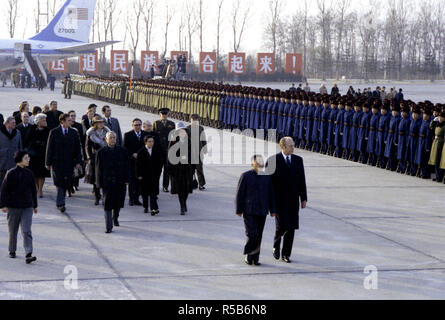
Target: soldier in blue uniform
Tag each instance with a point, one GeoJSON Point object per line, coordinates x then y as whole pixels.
{"type": "Point", "coordinates": [392, 138]}
{"type": "Point", "coordinates": [324, 125]}
{"type": "Point", "coordinates": [363, 133]}
{"type": "Point", "coordinates": [373, 129]}
{"type": "Point", "coordinates": [280, 115]}
{"type": "Point", "coordinates": [357, 117]}
{"type": "Point", "coordinates": [270, 107]}
{"type": "Point", "coordinates": [402, 142]}
{"type": "Point", "coordinates": [310, 123]}
{"type": "Point", "coordinates": [290, 123]}
{"type": "Point", "coordinates": [347, 125]}
{"type": "Point", "coordinates": [331, 127]}
{"type": "Point", "coordinates": [382, 134]}
{"type": "Point", "coordinates": [296, 119]}
{"type": "Point", "coordinates": [275, 109]}
{"type": "Point", "coordinates": [316, 125]}
{"type": "Point", "coordinates": [424, 144]}
{"type": "Point", "coordinates": [338, 130]}
{"type": "Point", "coordinates": [302, 123]}
{"type": "Point", "coordinates": [413, 140]}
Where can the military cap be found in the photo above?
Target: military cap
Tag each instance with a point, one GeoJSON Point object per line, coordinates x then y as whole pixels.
{"type": "Point", "coordinates": [164, 111]}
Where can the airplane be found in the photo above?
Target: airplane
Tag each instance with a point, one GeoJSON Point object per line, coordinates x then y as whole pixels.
{"type": "Point", "coordinates": [66, 36]}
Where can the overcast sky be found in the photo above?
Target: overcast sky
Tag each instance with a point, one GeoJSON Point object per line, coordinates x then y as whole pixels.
{"type": "Point", "coordinates": [251, 43]}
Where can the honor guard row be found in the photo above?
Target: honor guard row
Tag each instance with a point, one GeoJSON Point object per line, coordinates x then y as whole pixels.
{"type": "Point", "coordinates": [398, 135]}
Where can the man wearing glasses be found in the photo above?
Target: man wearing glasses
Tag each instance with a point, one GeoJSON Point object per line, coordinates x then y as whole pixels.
{"type": "Point", "coordinates": [133, 142]}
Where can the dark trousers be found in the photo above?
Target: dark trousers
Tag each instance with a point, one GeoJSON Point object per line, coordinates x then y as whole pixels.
{"type": "Point", "coordinates": [183, 200]}
{"type": "Point", "coordinates": [153, 202]}
{"type": "Point", "coordinates": [439, 173]}
{"type": "Point", "coordinates": [61, 194]}
{"type": "Point", "coordinates": [20, 218]}
{"type": "Point", "coordinates": [372, 159]}
{"type": "Point", "coordinates": [254, 232]}
{"type": "Point", "coordinates": [200, 173]}
{"type": "Point", "coordinates": [111, 216]}
{"type": "Point", "coordinates": [165, 175]}
{"type": "Point", "coordinates": [288, 241]}
{"type": "Point", "coordinates": [133, 187]}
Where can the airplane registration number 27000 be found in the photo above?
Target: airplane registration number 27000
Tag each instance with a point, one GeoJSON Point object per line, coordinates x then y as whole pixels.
{"type": "Point", "coordinates": [63, 30]}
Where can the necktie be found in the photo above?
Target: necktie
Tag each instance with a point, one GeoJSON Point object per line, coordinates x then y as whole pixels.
{"type": "Point", "coordinates": [288, 161]}
{"type": "Point", "coordinates": [109, 123]}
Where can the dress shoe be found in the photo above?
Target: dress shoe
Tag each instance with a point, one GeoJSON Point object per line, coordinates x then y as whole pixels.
{"type": "Point", "coordinates": [248, 260]}
{"type": "Point", "coordinates": [182, 212]}
{"type": "Point", "coordinates": [30, 258]}
{"type": "Point", "coordinates": [153, 213]}
{"type": "Point", "coordinates": [12, 255]}
{"type": "Point", "coordinates": [96, 202]}
{"type": "Point", "coordinates": [165, 189]}
{"type": "Point", "coordinates": [257, 263]}
{"type": "Point", "coordinates": [276, 254]}
{"type": "Point", "coordinates": [76, 188]}
{"type": "Point", "coordinates": [62, 209]}
{"type": "Point", "coordinates": [108, 231]}
{"type": "Point", "coordinates": [116, 223]}
{"type": "Point", "coordinates": [286, 259]}
{"type": "Point", "coordinates": [202, 188]}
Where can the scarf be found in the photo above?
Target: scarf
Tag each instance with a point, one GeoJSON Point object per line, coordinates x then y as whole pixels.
{"type": "Point", "coordinates": [98, 137]}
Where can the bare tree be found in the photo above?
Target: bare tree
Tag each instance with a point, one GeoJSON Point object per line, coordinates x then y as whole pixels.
{"type": "Point", "coordinates": [11, 16]}
{"type": "Point", "coordinates": [239, 22]}
{"type": "Point", "coordinates": [168, 19]}
{"type": "Point", "coordinates": [218, 30]}
{"type": "Point", "coordinates": [342, 7]}
{"type": "Point", "coordinates": [133, 26]}
{"type": "Point", "coordinates": [149, 7]}
{"type": "Point", "coordinates": [325, 17]}
{"type": "Point", "coordinates": [200, 21]}
{"type": "Point", "coordinates": [191, 25]}
{"type": "Point", "coordinates": [273, 24]}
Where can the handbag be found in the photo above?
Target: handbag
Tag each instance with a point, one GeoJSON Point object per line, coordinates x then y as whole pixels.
{"type": "Point", "coordinates": [79, 173]}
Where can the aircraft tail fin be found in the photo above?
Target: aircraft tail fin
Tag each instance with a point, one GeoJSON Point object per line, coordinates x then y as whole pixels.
{"type": "Point", "coordinates": [72, 23]}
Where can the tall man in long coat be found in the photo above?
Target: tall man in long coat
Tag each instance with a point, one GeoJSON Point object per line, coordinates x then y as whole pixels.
{"type": "Point", "coordinates": [289, 183]}
{"type": "Point", "coordinates": [112, 176]}
{"type": "Point", "coordinates": [62, 155]}
{"type": "Point", "coordinates": [199, 148]}
{"type": "Point", "coordinates": [53, 115]}
{"type": "Point", "coordinates": [164, 127]}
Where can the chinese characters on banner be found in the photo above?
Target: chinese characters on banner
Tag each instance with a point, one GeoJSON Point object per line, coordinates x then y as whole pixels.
{"type": "Point", "coordinates": [236, 63]}
{"type": "Point", "coordinates": [207, 62]}
{"type": "Point", "coordinates": [149, 59]}
{"type": "Point", "coordinates": [265, 63]}
{"type": "Point", "coordinates": [89, 63]}
{"type": "Point", "coordinates": [119, 62]}
{"type": "Point", "coordinates": [294, 63]}
{"type": "Point", "coordinates": [58, 66]}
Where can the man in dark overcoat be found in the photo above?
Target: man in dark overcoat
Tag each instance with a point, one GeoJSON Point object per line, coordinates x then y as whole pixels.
{"type": "Point", "coordinates": [112, 176]}
{"type": "Point", "coordinates": [133, 142]}
{"type": "Point", "coordinates": [198, 147]}
{"type": "Point", "coordinates": [53, 116]}
{"type": "Point", "coordinates": [254, 200]}
{"type": "Point", "coordinates": [164, 128]}
{"type": "Point", "coordinates": [63, 153]}
{"type": "Point", "coordinates": [289, 182]}
{"type": "Point", "coordinates": [148, 170]}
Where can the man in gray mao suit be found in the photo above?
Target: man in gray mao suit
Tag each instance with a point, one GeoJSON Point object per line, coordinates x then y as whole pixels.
{"type": "Point", "coordinates": [112, 124]}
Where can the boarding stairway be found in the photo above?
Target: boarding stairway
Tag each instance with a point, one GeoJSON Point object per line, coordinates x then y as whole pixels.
{"type": "Point", "coordinates": [33, 65]}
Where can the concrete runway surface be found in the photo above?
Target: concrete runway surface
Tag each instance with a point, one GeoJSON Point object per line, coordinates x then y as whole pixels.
{"type": "Point", "coordinates": [358, 216]}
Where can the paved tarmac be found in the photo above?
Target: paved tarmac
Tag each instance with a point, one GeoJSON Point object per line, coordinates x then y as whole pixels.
{"type": "Point", "coordinates": [358, 216]}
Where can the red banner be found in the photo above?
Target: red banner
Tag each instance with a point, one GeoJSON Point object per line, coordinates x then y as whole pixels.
{"type": "Point", "coordinates": [89, 63]}
{"type": "Point", "coordinates": [119, 62]}
{"type": "Point", "coordinates": [265, 63]}
{"type": "Point", "coordinates": [58, 66]}
{"type": "Point", "coordinates": [149, 59]}
{"type": "Point", "coordinates": [294, 63]}
{"type": "Point", "coordinates": [236, 63]}
{"type": "Point", "coordinates": [207, 62]}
